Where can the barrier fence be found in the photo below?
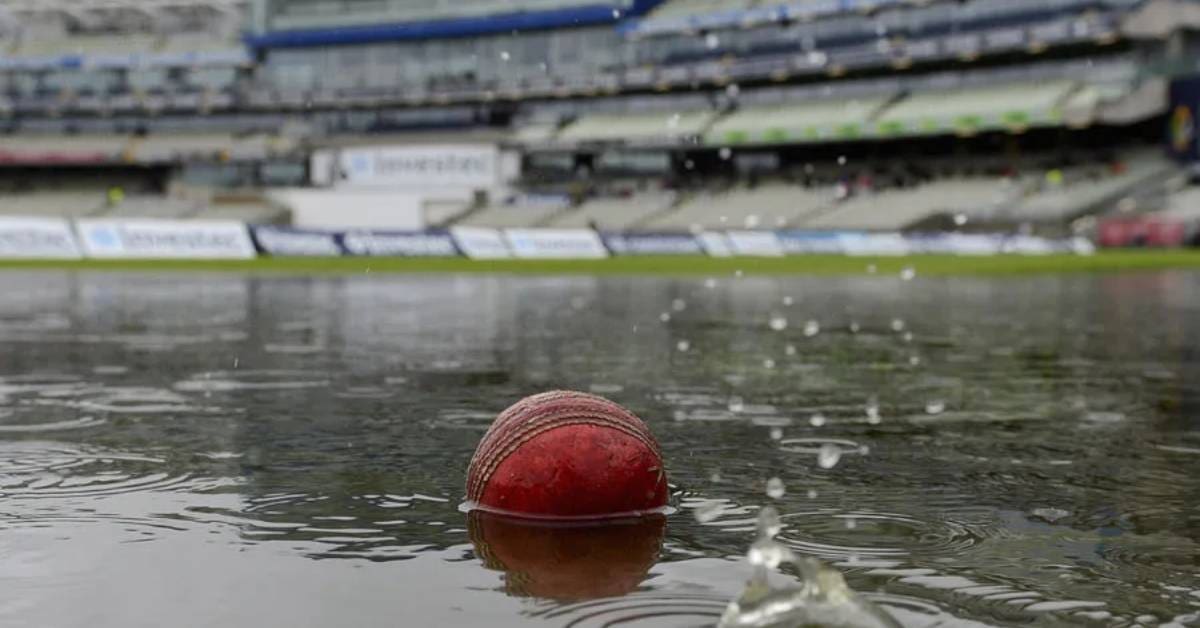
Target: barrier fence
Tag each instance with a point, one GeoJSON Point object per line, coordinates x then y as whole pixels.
{"type": "Point", "coordinates": [59, 238]}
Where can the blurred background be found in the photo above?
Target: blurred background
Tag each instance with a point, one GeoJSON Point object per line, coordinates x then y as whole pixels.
{"type": "Point", "coordinates": [1055, 118]}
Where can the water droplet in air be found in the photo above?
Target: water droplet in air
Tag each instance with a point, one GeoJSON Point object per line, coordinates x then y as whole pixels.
{"type": "Point", "coordinates": [504, 55]}
{"type": "Point", "coordinates": [790, 350]}
{"type": "Point", "coordinates": [897, 325]}
{"type": "Point", "coordinates": [936, 406]}
{"type": "Point", "coordinates": [738, 273]}
{"type": "Point", "coordinates": [715, 477]}
{"type": "Point", "coordinates": [725, 152]}
{"type": "Point", "coordinates": [678, 305]}
{"type": "Point", "coordinates": [712, 41]}
{"type": "Point", "coordinates": [769, 522]}
{"type": "Point", "coordinates": [960, 219]}
{"type": "Point", "coordinates": [683, 346]}
{"type": "Point", "coordinates": [616, 14]}
{"type": "Point", "coordinates": [673, 122]}
{"type": "Point", "coordinates": [775, 489]}
{"type": "Point", "coordinates": [769, 363]}
{"type": "Point", "coordinates": [788, 301]}
{"type": "Point", "coordinates": [854, 327]}
{"type": "Point", "coordinates": [908, 337]}
{"type": "Point", "coordinates": [736, 404]}
{"type": "Point", "coordinates": [842, 160]}
{"type": "Point", "coordinates": [828, 456]}
{"type": "Point", "coordinates": [733, 90]}
{"type": "Point", "coordinates": [776, 433]}
{"type": "Point", "coordinates": [873, 412]}
{"type": "Point", "coordinates": [812, 328]}
{"type": "Point", "coordinates": [767, 553]}
{"type": "Point", "coordinates": [817, 420]}
{"type": "Point", "coordinates": [915, 360]}
{"type": "Point", "coordinates": [908, 273]}
{"type": "Point", "coordinates": [710, 283]}
{"type": "Point", "coordinates": [872, 269]}
{"type": "Point", "coordinates": [778, 323]}
{"type": "Point", "coordinates": [664, 317]}
{"type": "Point", "coordinates": [812, 493]}
{"type": "Point", "coordinates": [709, 511]}
{"type": "Point", "coordinates": [851, 523]}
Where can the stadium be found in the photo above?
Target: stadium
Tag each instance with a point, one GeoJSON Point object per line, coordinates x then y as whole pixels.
{"type": "Point", "coordinates": [599, 313]}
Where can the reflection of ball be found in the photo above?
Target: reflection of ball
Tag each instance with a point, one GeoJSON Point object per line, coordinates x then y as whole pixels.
{"type": "Point", "coordinates": [567, 454]}
{"type": "Point", "coordinates": [567, 562]}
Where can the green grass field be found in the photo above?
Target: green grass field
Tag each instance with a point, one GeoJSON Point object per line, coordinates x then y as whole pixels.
{"type": "Point", "coordinates": [798, 265]}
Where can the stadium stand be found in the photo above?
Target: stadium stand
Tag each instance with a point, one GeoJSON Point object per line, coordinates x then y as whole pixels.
{"type": "Point", "coordinates": [528, 211]}
{"type": "Point", "coordinates": [1013, 107]}
{"type": "Point", "coordinates": [616, 213]}
{"type": "Point", "coordinates": [768, 205]}
{"type": "Point", "coordinates": [648, 128]}
{"type": "Point", "coordinates": [1091, 188]}
{"type": "Point", "coordinates": [796, 123]}
{"type": "Point", "coordinates": [896, 209]}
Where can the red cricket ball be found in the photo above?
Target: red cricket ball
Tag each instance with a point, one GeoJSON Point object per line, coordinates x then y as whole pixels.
{"type": "Point", "coordinates": [567, 454]}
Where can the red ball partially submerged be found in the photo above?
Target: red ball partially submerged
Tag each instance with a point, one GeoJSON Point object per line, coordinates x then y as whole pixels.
{"type": "Point", "coordinates": [567, 454]}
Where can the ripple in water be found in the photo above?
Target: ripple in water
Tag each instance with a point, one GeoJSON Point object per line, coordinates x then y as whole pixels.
{"type": "Point", "coordinates": [34, 470]}
{"type": "Point", "coordinates": [227, 381]}
{"type": "Point", "coordinates": [874, 537]}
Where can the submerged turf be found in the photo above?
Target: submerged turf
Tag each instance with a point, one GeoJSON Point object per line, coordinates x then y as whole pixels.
{"type": "Point", "coordinates": [675, 265]}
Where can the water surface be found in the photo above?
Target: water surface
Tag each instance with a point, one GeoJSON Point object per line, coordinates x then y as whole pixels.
{"type": "Point", "coordinates": [223, 450]}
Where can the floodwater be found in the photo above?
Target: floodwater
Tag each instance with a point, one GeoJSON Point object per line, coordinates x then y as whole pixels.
{"type": "Point", "coordinates": [222, 450]}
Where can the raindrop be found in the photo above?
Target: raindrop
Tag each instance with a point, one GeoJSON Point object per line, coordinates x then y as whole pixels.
{"type": "Point", "coordinates": [851, 523]}
{"type": "Point", "coordinates": [683, 346]}
{"type": "Point", "coordinates": [936, 406]}
{"type": "Point", "coordinates": [811, 328]}
{"type": "Point", "coordinates": [665, 317]}
{"type": "Point", "coordinates": [788, 301]}
{"type": "Point", "coordinates": [714, 477]}
{"type": "Point", "coordinates": [769, 363]}
{"type": "Point", "coordinates": [504, 55]}
{"type": "Point", "coordinates": [739, 273]}
{"type": "Point", "coordinates": [709, 511]}
{"type": "Point", "coordinates": [778, 323]}
{"type": "Point", "coordinates": [1050, 515]}
{"type": "Point", "coordinates": [960, 219]}
{"type": "Point", "coordinates": [915, 360]}
{"type": "Point", "coordinates": [775, 489]}
{"type": "Point", "coordinates": [812, 493]}
{"type": "Point", "coordinates": [842, 160]}
{"type": "Point", "coordinates": [817, 420]}
{"type": "Point", "coordinates": [776, 433]}
{"type": "Point", "coordinates": [897, 325]}
{"type": "Point", "coordinates": [736, 404]}
{"type": "Point", "coordinates": [710, 283]}
{"type": "Point", "coordinates": [854, 327]}
{"type": "Point", "coordinates": [733, 90]}
{"type": "Point", "coordinates": [908, 273]}
{"type": "Point", "coordinates": [828, 456]}
{"type": "Point", "coordinates": [908, 337]}
{"type": "Point", "coordinates": [872, 269]}
{"type": "Point", "coordinates": [790, 350]}
{"type": "Point", "coordinates": [725, 152]}
{"type": "Point", "coordinates": [769, 522]}
{"type": "Point", "coordinates": [873, 412]}
{"type": "Point", "coordinates": [678, 305]}
{"type": "Point", "coordinates": [712, 41]}
{"type": "Point", "coordinates": [616, 14]}
{"type": "Point", "coordinates": [767, 553]}
{"type": "Point", "coordinates": [689, 164]}
{"type": "Point", "coordinates": [673, 122]}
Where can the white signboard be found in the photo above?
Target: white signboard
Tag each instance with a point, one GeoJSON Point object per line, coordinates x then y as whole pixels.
{"type": "Point", "coordinates": [430, 166]}
{"type": "Point", "coordinates": [755, 243]}
{"type": "Point", "coordinates": [165, 239]}
{"type": "Point", "coordinates": [892, 244]}
{"type": "Point", "coordinates": [37, 238]}
{"type": "Point", "coordinates": [481, 242]}
{"type": "Point", "coordinates": [715, 244]}
{"type": "Point", "coordinates": [555, 243]}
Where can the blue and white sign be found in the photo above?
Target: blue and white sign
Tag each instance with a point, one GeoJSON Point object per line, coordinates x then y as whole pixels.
{"type": "Point", "coordinates": [715, 243]}
{"type": "Point", "coordinates": [399, 244]}
{"type": "Point", "coordinates": [652, 244]}
{"type": "Point", "coordinates": [165, 239]}
{"type": "Point", "coordinates": [755, 243]}
{"type": "Point", "coordinates": [431, 166]}
{"type": "Point", "coordinates": [555, 243]}
{"type": "Point", "coordinates": [481, 242]}
{"type": "Point", "coordinates": [288, 242]}
{"type": "Point", "coordinates": [874, 244]}
{"type": "Point", "coordinates": [809, 242]}
{"type": "Point", "coordinates": [37, 238]}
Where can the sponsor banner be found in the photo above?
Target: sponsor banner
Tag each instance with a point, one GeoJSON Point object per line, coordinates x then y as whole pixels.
{"type": "Point", "coordinates": [288, 242]}
{"type": "Point", "coordinates": [430, 166]}
{"type": "Point", "coordinates": [755, 243]}
{"type": "Point", "coordinates": [653, 244]}
{"type": "Point", "coordinates": [555, 243]}
{"type": "Point", "coordinates": [874, 244]}
{"type": "Point", "coordinates": [37, 238]}
{"type": "Point", "coordinates": [165, 239]}
{"type": "Point", "coordinates": [481, 242]}
{"type": "Point", "coordinates": [1030, 245]}
{"type": "Point", "coordinates": [399, 244]}
{"type": "Point", "coordinates": [957, 244]}
{"type": "Point", "coordinates": [802, 242]}
{"type": "Point", "coordinates": [715, 243]}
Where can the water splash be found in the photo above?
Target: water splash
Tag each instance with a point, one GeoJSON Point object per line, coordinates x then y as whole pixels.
{"type": "Point", "coordinates": [821, 598]}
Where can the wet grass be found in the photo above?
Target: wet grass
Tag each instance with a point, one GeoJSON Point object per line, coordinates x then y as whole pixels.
{"type": "Point", "coordinates": [1114, 261]}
